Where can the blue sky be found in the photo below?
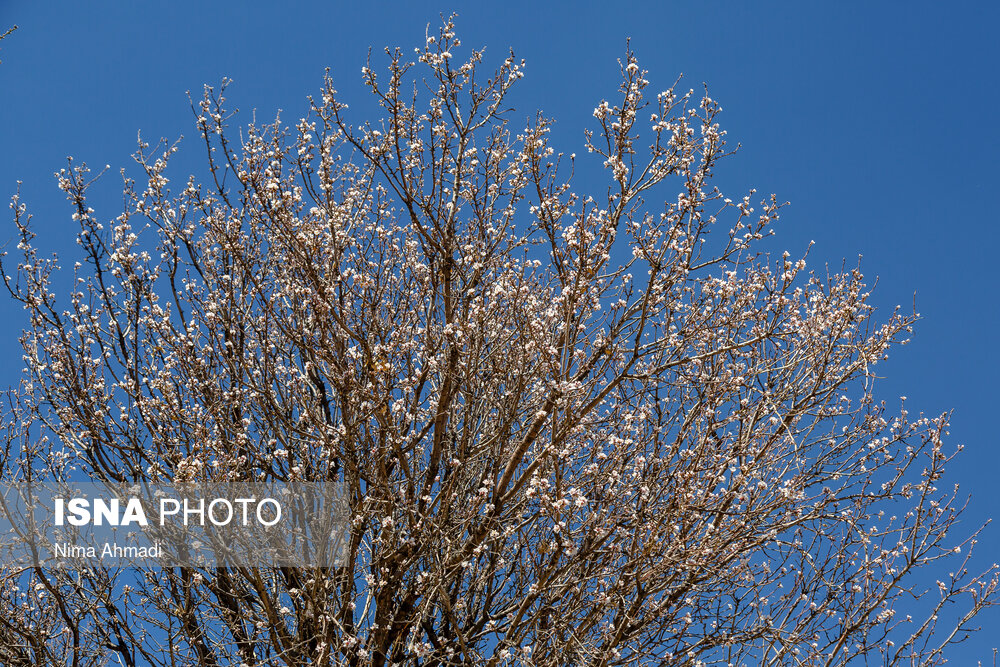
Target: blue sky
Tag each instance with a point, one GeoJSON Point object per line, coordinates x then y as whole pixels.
{"type": "Point", "coordinates": [878, 121]}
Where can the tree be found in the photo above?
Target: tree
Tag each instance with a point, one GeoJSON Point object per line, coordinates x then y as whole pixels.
{"type": "Point", "coordinates": [574, 429]}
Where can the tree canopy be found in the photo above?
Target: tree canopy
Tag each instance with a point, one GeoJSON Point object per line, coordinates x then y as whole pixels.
{"type": "Point", "coordinates": [574, 428]}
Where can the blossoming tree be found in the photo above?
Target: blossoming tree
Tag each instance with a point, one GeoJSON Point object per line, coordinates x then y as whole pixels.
{"type": "Point", "coordinates": [574, 429]}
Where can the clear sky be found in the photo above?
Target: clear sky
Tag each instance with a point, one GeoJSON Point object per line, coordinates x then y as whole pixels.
{"type": "Point", "coordinates": [878, 121]}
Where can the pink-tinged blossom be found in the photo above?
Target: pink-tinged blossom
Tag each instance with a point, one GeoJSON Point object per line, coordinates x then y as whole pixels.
{"type": "Point", "coordinates": [599, 428]}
